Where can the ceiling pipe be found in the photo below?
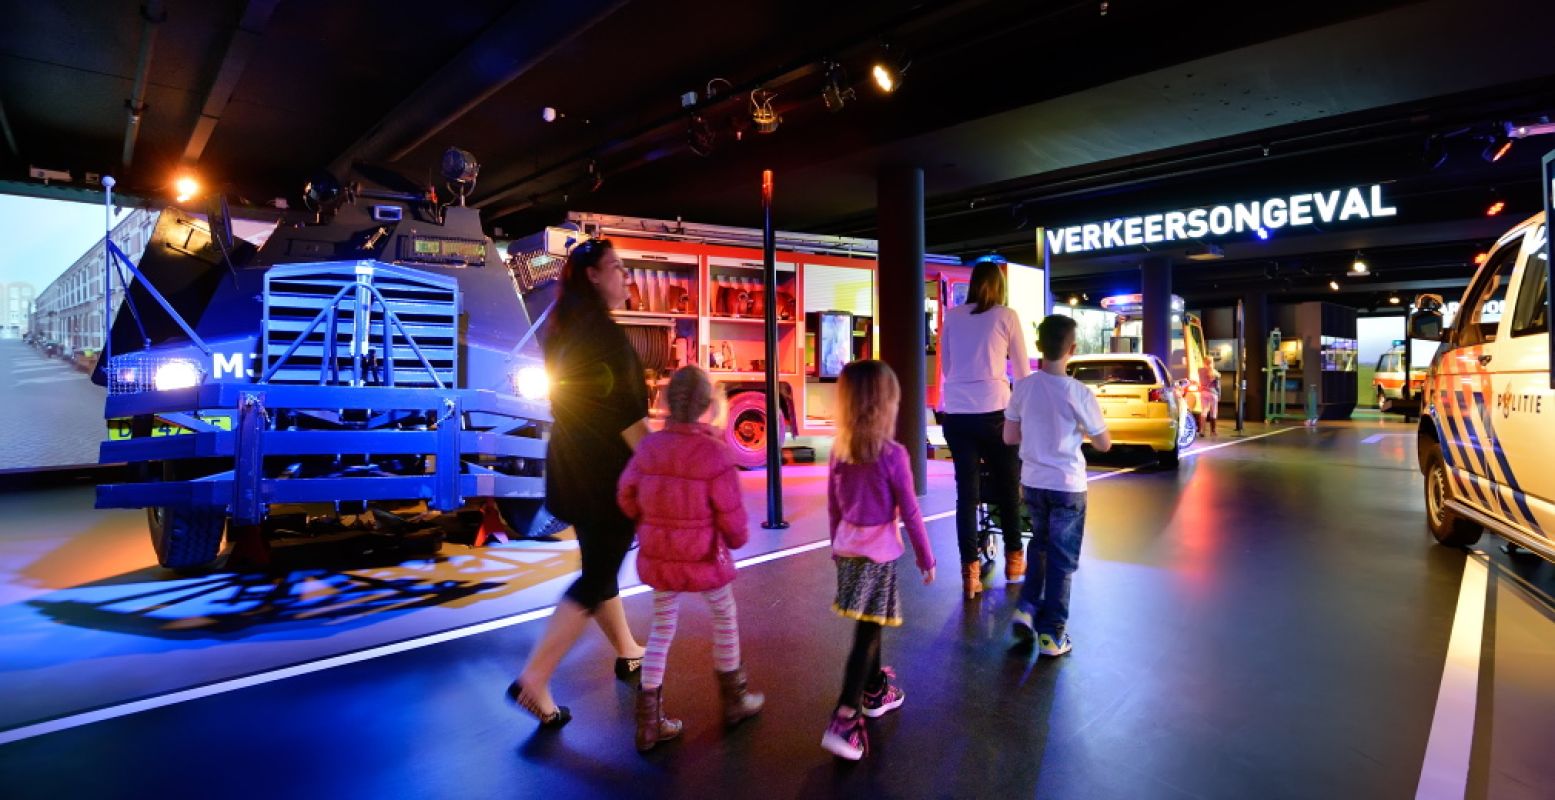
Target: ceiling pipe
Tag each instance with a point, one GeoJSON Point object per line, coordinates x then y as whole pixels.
{"type": "Point", "coordinates": [518, 41]}
{"type": "Point", "coordinates": [256, 15]}
{"type": "Point", "coordinates": [152, 15]}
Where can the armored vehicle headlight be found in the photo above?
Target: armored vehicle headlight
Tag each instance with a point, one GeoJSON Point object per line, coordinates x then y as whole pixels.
{"type": "Point", "coordinates": [532, 383]}
{"type": "Point", "coordinates": [176, 374]}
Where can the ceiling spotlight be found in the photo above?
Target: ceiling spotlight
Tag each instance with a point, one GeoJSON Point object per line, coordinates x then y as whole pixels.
{"type": "Point", "coordinates": [700, 136]}
{"type": "Point", "coordinates": [1073, 300]}
{"type": "Point", "coordinates": [836, 93]}
{"type": "Point", "coordinates": [1495, 208]}
{"type": "Point", "coordinates": [1263, 233]}
{"type": "Point", "coordinates": [1497, 149]}
{"type": "Point", "coordinates": [766, 119]}
{"type": "Point", "coordinates": [1393, 299]}
{"type": "Point", "coordinates": [1334, 285]}
{"type": "Point", "coordinates": [1480, 258]}
{"type": "Point", "coordinates": [550, 114]}
{"type": "Point", "coordinates": [887, 72]}
{"type": "Point", "coordinates": [1358, 266]}
{"type": "Point", "coordinates": [186, 187]}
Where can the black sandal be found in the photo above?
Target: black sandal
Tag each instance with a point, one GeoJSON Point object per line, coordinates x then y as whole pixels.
{"type": "Point", "coordinates": [518, 696]}
{"type": "Point", "coordinates": [628, 669]}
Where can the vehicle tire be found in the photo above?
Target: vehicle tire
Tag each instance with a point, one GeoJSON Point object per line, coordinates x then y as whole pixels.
{"type": "Point", "coordinates": [1382, 401]}
{"type": "Point", "coordinates": [1169, 459]}
{"type": "Point", "coordinates": [1448, 528]}
{"type": "Point", "coordinates": [187, 539]}
{"type": "Point", "coordinates": [745, 431]}
{"type": "Point", "coordinates": [529, 518]}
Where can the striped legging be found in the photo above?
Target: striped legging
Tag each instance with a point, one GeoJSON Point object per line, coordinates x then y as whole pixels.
{"type": "Point", "coordinates": [666, 615]}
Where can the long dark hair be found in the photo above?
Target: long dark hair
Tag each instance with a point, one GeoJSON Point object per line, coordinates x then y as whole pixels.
{"type": "Point", "coordinates": [578, 295]}
{"type": "Point", "coordinates": [987, 289]}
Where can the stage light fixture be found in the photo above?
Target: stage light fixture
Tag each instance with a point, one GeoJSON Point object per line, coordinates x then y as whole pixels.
{"type": "Point", "coordinates": [767, 120]}
{"type": "Point", "coordinates": [1393, 299]}
{"type": "Point", "coordinates": [701, 137]}
{"type": "Point", "coordinates": [1480, 258]}
{"type": "Point", "coordinates": [888, 71]}
{"type": "Point", "coordinates": [1334, 285]}
{"type": "Point", "coordinates": [186, 186]}
{"type": "Point", "coordinates": [1358, 266]}
{"type": "Point", "coordinates": [1495, 208]}
{"type": "Point", "coordinates": [1263, 233]}
{"type": "Point", "coordinates": [1496, 152]}
{"type": "Point", "coordinates": [550, 114]}
{"type": "Point", "coordinates": [836, 93]}
{"type": "Point", "coordinates": [1073, 301]}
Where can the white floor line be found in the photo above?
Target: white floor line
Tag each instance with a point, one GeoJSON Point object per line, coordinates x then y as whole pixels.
{"type": "Point", "coordinates": [344, 659]}
{"type": "Point", "coordinates": [1445, 773]}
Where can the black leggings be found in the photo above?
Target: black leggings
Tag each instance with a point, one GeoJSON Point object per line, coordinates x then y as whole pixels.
{"type": "Point", "coordinates": [603, 541]}
{"type": "Point", "coordinates": [863, 671]}
{"type": "Point", "coordinates": [975, 439]}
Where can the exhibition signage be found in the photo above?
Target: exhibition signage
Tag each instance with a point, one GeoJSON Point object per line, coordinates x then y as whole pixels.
{"type": "Point", "coordinates": [1297, 210]}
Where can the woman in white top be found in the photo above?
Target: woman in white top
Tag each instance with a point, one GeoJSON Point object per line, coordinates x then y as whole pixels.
{"type": "Point", "coordinates": [977, 340]}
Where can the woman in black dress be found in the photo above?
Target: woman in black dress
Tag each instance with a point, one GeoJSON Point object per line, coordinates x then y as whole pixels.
{"type": "Point", "coordinates": [599, 402]}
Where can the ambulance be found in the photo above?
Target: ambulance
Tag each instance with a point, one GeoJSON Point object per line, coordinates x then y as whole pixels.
{"type": "Point", "coordinates": [1487, 427]}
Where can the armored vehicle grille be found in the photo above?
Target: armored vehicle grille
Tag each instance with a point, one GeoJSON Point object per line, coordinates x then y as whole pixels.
{"type": "Point", "coordinates": [361, 323]}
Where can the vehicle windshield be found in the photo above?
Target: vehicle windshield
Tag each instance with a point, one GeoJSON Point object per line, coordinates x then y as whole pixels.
{"type": "Point", "coordinates": [1107, 372]}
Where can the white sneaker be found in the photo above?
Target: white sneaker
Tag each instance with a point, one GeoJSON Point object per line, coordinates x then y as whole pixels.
{"type": "Point", "coordinates": [1048, 645]}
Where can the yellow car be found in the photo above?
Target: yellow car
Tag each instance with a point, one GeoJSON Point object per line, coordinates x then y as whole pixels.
{"type": "Point", "coordinates": [1142, 405]}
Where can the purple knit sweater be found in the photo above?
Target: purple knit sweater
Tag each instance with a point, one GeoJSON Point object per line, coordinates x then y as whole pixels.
{"type": "Point", "coordinates": [866, 495]}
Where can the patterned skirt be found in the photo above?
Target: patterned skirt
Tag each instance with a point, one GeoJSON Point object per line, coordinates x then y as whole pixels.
{"type": "Point", "coordinates": [867, 591]}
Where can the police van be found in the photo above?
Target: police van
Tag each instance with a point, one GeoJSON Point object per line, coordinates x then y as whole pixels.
{"type": "Point", "coordinates": [1487, 427]}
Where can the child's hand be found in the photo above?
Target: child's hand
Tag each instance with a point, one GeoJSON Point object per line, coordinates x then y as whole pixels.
{"type": "Point", "coordinates": [928, 576]}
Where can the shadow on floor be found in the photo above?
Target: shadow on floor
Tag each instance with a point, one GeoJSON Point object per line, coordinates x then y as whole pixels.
{"type": "Point", "coordinates": [313, 593]}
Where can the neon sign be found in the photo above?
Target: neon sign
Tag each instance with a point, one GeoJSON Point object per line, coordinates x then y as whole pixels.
{"type": "Point", "coordinates": [1297, 210]}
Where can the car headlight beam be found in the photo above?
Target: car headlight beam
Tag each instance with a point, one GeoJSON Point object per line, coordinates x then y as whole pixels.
{"type": "Point", "coordinates": [532, 383]}
{"type": "Point", "coordinates": [176, 374]}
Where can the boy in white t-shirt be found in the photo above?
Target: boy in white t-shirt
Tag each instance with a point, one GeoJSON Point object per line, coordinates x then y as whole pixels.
{"type": "Point", "coordinates": [1048, 416]}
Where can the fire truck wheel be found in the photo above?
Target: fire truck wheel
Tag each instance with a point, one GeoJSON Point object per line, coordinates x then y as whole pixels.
{"type": "Point", "coordinates": [1448, 528]}
{"type": "Point", "coordinates": [187, 539]}
{"type": "Point", "coordinates": [746, 429]}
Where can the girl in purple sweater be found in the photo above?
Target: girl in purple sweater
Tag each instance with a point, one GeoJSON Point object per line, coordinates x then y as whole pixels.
{"type": "Point", "coordinates": [869, 488]}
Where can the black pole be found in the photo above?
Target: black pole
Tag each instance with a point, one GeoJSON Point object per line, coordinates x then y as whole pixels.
{"type": "Point", "coordinates": [1241, 368]}
{"type": "Point", "coordinates": [903, 334]}
{"type": "Point", "coordinates": [775, 425]}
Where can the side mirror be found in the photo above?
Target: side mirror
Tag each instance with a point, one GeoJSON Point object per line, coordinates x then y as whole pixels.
{"type": "Point", "coordinates": [1426, 325]}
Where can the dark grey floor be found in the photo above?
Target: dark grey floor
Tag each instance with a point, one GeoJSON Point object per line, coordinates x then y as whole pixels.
{"type": "Point", "coordinates": [1271, 621]}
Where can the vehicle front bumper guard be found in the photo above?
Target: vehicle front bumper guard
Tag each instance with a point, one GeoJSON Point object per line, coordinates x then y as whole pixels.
{"type": "Point", "coordinates": [247, 492]}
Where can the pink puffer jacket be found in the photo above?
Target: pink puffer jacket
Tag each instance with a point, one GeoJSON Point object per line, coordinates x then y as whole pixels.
{"type": "Point", "coordinates": [683, 489]}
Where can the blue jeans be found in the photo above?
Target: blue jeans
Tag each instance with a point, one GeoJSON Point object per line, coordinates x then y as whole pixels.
{"type": "Point", "coordinates": [1057, 528]}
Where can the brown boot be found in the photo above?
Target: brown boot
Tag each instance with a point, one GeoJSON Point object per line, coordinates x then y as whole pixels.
{"type": "Point", "coordinates": [740, 704]}
{"type": "Point", "coordinates": [972, 580]}
{"type": "Point", "coordinates": [1014, 566]}
{"type": "Point", "coordinates": [652, 726]}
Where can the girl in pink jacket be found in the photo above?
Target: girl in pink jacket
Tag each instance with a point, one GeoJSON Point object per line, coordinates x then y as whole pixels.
{"type": "Point", "coordinates": [869, 489]}
{"type": "Point", "coordinates": [683, 490]}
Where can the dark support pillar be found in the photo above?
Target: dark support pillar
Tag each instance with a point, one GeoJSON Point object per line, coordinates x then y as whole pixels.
{"type": "Point", "coordinates": [1255, 324]}
{"type": "Point", "coordinates": [900, 316]}
{"type": "Point", "coordinates": [1155, 280]}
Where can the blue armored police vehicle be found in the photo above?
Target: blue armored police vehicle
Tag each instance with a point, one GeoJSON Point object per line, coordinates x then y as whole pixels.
{"type": "Point", "coordinates": [377, 358]}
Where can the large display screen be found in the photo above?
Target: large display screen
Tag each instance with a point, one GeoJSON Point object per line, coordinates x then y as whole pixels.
{"type": "Point", "coordinates": [51, 323]}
